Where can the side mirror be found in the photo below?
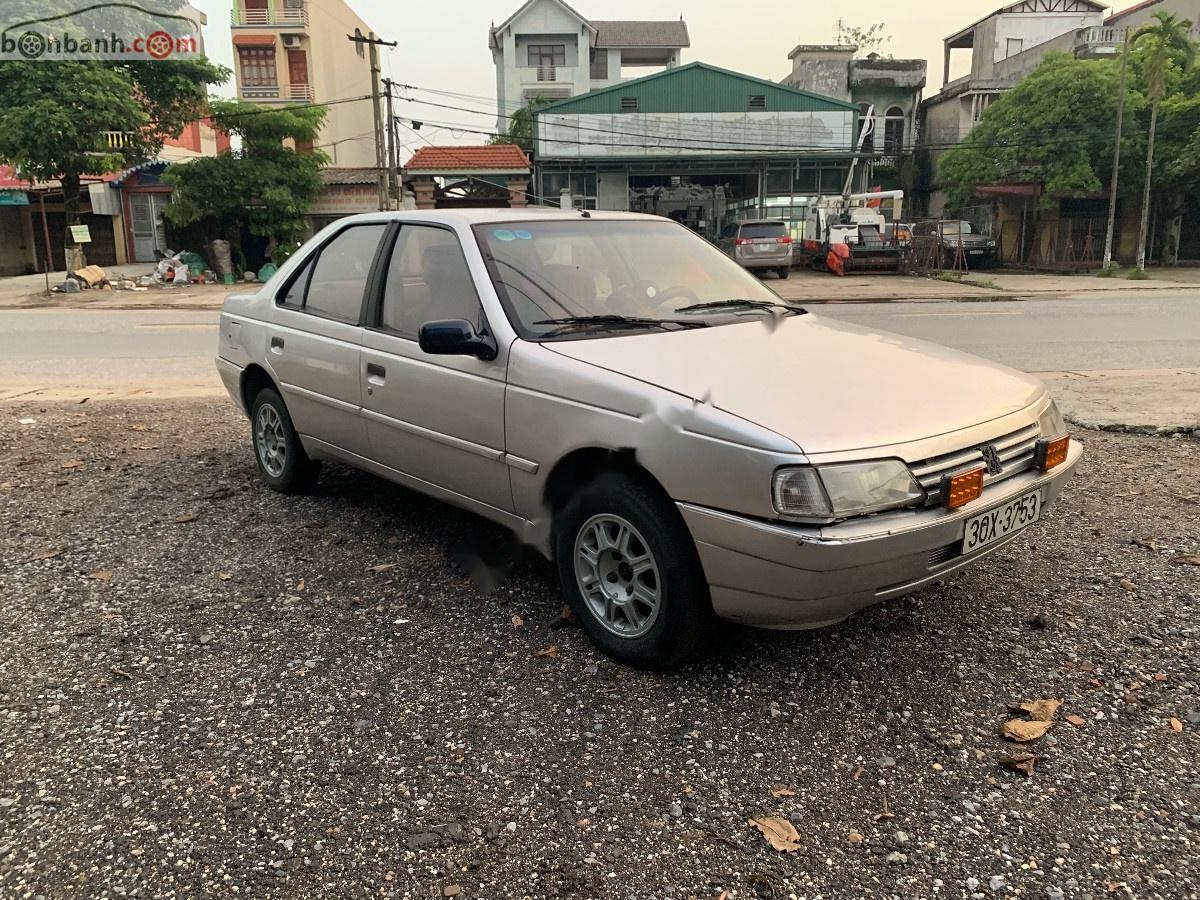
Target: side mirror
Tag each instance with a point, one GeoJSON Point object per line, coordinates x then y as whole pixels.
{"type": "Point", "coordinates": [456, 337]}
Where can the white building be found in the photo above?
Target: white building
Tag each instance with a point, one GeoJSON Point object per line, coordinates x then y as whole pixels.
{"type": "Point", "coordinates": [547, 49]}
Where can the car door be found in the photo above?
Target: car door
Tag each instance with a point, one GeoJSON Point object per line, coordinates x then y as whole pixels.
{"type": "Point", "coordinates": [315, 338]}
{"type": "Point", "coordinates": [726, 241]}
{"type": "Point", "coordinates": [436, 418]}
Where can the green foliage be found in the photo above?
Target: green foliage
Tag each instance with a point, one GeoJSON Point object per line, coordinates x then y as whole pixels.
{"type": "Point", "coordinates": [54, 115]}
{"type": "Point", "coordinates": [1137, 275]}
{"type": "Point", "coordinates": [520, 126]}
{"type": "Point", "coordinates": [870, 39]}
{"type": "Point", "coordinates": [1054, 128]}
{"type": "Point", "coordinates": [1162, 52]}
{"type": "Point", "coordinates": [264, 185]}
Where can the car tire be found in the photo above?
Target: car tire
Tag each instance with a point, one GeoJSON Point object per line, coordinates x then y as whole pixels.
{"type": "Point", "coordinates": [281, 459]}
{"type": "Point", "coordinates": [785, 272]}
{"type": "Point", "coordinates": [662, 616]}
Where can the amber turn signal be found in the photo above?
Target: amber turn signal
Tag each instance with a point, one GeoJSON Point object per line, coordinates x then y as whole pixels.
{"type": "Point", "coordinates": [959, 490]}
{"type": "Point", "coordinates": [1048, 454]}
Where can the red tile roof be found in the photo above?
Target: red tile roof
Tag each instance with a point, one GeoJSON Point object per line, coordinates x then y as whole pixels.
{"type": "Point", "coordinates": [9, 180]}
{"type": "Point", "coordinates": [501, 157]}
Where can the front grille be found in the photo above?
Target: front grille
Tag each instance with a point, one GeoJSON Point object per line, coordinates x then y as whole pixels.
{"type": "Point", "coordinates": [1014, 449]}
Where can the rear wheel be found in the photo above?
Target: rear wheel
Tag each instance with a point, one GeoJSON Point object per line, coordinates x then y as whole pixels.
{"type": "Point", "coordinates": [630, 572]}
{"type": "Point", "coordinates": [785, 271]}
{"type": "Point", "coordinates": [281, 458]}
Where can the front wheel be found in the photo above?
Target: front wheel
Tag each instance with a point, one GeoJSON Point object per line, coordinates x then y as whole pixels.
{"type": "Point", "coordinates": [630, 573]}
{"type": "Point", "coordinates": [281, 458]}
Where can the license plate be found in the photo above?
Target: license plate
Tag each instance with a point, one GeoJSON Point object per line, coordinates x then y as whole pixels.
{"type": "Point", "coordinates": [763, 248]}
{"type": "Point", "coordinates": [990, 526]}
{"type": "Point", "coordinates": [976, 252]}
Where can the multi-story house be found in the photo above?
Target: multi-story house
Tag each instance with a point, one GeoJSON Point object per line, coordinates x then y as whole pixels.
{"type": "Point", "coordinates": [1005, 46]}
{"type": "Point", "coordinates": [887, 89]}
{"type": "Point", "coordinates": [547, 49]}
{"type": "Point", "coordinates": [297, 51]}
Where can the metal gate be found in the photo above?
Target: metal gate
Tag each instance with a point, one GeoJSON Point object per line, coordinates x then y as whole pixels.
{"type": "Point", "coordinates": [146, 222]}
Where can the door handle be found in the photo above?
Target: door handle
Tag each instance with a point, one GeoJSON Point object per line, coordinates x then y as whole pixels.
{"type": "Point", "coordinates": [276, 344]}
{"type": "Point", "coordinates": [375, 374]}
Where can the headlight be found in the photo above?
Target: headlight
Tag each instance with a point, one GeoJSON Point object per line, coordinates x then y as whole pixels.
{"type": "Point", "coordinates": [1051, 423]}
{"type": "Point", "coordinates": [848, 489]}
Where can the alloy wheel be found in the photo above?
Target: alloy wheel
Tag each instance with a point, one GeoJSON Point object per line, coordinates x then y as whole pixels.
{"type": "Point", "coordinates": [617, 575]}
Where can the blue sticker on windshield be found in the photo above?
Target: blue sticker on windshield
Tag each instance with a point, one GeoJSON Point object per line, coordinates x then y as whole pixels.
{"type": "Point", "coordinates": [523, 235]}
{"type": "Point", "coordinates": [503, 234]}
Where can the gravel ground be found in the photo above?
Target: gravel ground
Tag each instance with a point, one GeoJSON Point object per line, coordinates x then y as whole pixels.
{"type": "Point", "coordinates": [207, 689]}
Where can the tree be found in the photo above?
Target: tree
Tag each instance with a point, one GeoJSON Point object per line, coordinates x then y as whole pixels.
{"type": "Point", "coordinates": [263, 186]}
{"type": "Point", "coordinates": [1055, 128]}
{"type": "Point", "coordinates": [64, 120]}
{"type": "Point", "coordinates": [868, 40]}
{"type": "Point", "coordinates": [520, 125]}
{"type": "Point", "coordinates": [1167, 47]}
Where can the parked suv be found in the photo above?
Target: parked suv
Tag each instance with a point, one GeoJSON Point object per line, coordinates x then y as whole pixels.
{"type": "Point", "coordinates": [681, 442]}
{"type": "Point", "coordinates": [758, 245]}
{"type": "Point", "coordinates": [936, 239]}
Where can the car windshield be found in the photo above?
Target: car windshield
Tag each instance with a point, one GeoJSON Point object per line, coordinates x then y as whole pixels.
{"type": "Point", "coordinates": [956, 227]}
{"type": "Point", "coordinates": [578, 277]}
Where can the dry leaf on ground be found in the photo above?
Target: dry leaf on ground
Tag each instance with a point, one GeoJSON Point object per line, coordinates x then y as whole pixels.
{"type": "Point", "coordinates": [1186, 560]}
{"type": "Point", "coordinates": [102, 575]}
{"type": "Point", "coordinates": [517, 621]}
{"type": "Point", "coordinates": [1176, 725]}
{"type": "Point", "coordinates": [1128, 585]}
{"type": "Point", "coordinates": [1020, 730]}
{"type": "Point", "coordinates": [1041, 710]}
{"type": "Point", "coordinates": [224, 576]}
{"type": "Point", "coordinates": [547, 652]}
{"type": "Point", "coordinates": [781, 790]}
{"type": "Point", "coordinates": [1020, 762]}
{"type": "Point", "coordinates": [383, 567]}
{"type": "Point", "coordinates": [79, 440]}
{"type": "Point", "coordinates": [140, 427]}
{"type": "Point", "coordinates": [1148, 543]}
{"type": "Point", "coordinates": [1077, 721]}
{"type": "Point", "coordinates": [47, 554]}
{"type": "Point", "coordinates": [186, 517]}
{"type": "Point", "coordinates": [780, 833]}
{"type": "Point", "coordinates": [72, 464]}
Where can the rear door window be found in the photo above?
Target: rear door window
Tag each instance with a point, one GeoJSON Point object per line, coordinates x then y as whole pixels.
{"type": "Point", "coordinates": [337, 283]}
{"type": "Point", "coordinates": [758, 230]}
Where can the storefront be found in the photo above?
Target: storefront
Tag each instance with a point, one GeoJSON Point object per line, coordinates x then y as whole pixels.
{"type": "Point", "coordinates": [697, 144]}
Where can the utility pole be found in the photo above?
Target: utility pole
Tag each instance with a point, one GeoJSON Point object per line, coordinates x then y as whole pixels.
{"type": "Point", "coordinates": [1116, 167]}
{"type": "Point", "coordinates": [392, 179]}
{"type": "Point", "coordinates": [373, 44]}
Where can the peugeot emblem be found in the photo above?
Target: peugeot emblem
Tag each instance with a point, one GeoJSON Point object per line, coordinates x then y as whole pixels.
{"type": "Point", "coordinates": [992, 458]}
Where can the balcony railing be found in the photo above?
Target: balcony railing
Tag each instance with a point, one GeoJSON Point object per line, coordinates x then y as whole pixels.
{"type": "Point", "coordinates": [544, 73]}
{"type": "Point", "coordinates": [270, 92]}
{"type": "Point", "coordinates": [285, 15]}
{"type": "Point", "coordinates": [300, 93]}
{"type": "Point", "coordinates": [1108, 39]}
{"type": "Point", "coordinates": [115, 140]}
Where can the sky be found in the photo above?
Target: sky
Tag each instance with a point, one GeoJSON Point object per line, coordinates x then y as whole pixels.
{"type": "Point", "coordinates": [443, 45]}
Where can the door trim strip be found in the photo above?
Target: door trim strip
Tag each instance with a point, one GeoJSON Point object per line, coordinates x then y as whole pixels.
{"type": "Point", "coordinates": [522, 465]}
{"type": "Point", "coordinates": [449, 440]}
{"type": "Point", "coordinates": [343, 405]}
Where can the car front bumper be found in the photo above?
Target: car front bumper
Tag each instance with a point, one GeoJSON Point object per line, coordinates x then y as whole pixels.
{"type": "Point", "coordinates": [778, 575]}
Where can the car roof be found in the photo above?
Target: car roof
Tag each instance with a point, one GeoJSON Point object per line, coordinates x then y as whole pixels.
{"type": "Point", "coordinates": [479, 216]}
{"type": "Point", "coordinates": [762, 222]}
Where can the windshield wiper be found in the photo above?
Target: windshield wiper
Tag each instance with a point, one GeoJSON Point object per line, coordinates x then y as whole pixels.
{"type": "Point", "coordinates": [741, 303]}
{"type": "Point", "coordinates": [611, 321]}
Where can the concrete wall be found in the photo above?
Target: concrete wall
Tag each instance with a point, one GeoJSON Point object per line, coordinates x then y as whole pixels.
{"type": "Point", "coordinates": [1186, 9]}
{"type": "Point", "coordinates": [338, 71]}
{"type": "Point", "coordinates": [822, 70]}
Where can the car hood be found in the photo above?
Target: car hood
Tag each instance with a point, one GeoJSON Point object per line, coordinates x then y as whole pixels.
{"type": "Point", "coordinates": [825, 384]}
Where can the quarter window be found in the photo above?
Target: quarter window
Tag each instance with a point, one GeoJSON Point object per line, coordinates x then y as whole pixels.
{"type": "Point", "coordinates": [427, 279]}
{"type": "Point", "coordinates": [339, 277]}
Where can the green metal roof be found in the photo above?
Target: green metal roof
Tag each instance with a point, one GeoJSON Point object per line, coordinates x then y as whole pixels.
{"type": "Point", "coordinates": [697, 87]}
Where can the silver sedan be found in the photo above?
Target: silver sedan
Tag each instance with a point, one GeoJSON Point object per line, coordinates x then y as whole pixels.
{"type": "Point", "coordinates": [682, 443]}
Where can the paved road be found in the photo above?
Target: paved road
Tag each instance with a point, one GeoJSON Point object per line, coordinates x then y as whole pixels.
{"type": "Point", "coordinates": [61, 352]}
{"type": "Point", "coordinates": [1138, 340]}
{"type": "Point", "coordinates": [1134, 330]}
